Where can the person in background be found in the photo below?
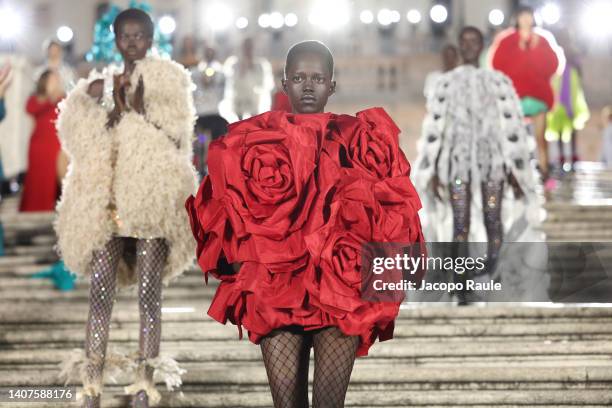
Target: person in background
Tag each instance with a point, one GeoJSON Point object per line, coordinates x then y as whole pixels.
{"type": "Point", "coordinates": [526, 55]}
{"type": "Point", "coordinates": [606, 124]}
{"type": "Point", "coordinates": [450, 60]}
{"type": "Point", "coordinates": [249, 83]}
{"type": "Point", "coordinates": [570, 112]}
{"type": "Point", "coordinates": [40, 188]}
{"type": "Point", "coordinates": [472, 171]}
{"type": "Point", "coordinates": [280, 100]}
{"type": "Point", "coordinates": [5, 80]}
{"type": "Point", "coordinates": [188, 56]}
{"type": "Point", "coordinates": [209, 80]}
{"type": "Point", "coordinates": [55, 61]}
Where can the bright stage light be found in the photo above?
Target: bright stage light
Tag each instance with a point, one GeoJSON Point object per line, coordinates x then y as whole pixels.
{"type": "Point", "coordinates": [595, 19]}
{"type": "Point", "coordinates": [242, 23]}
{"type": "Point", "coordinates": [414, 16]}
{"type": "Point", "coordinates": [366, 17]}
{"type": "Point", "coordinates": [264, 20]}
{"type": "Point", "coordinates": [276, 20]}
{"type": "Point", "coordinates": [385, 17]}
{"type": "Point", "coordinates": [329, 15]}
{"type": "Point", "coordinates": [11, 23]}
{"type": "Point", "coordinates": [219, 17]}
{"type": "Point", "coordinates": [291, 20]}
{"type": "Point", "coordinates": [64, 34]}
{"type": "Point", "coordinates": [551, 14]}
{"type": "Point", "coordinates": [496, 17]}
{"type": "Point", "coordinates": [438, 13]}
{"type": "Point", "coordinates": [395, 16]}
{"type": "Point", "coordinates": [167, 25]}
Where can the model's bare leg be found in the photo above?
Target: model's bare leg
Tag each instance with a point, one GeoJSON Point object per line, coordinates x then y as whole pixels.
{"type": "Point", "coordinates": [539, 125]}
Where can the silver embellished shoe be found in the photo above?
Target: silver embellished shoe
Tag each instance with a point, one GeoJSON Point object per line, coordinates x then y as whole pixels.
{"type": "Point", "coordinates": [91, 401]}
{"type": "Point", "coordinates": [140, 400]}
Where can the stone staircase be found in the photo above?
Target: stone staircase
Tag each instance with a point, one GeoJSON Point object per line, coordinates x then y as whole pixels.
{"type": "Point", "coordinates": [499, 355]}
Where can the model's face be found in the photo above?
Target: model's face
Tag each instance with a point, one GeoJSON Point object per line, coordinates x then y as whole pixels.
{"type": "Point", "coordinates": [470, 47]}
{"type": "Point", "coordinates": [308, 83]}
{"type": "Point", "coordinates": [525, 21]}
{"type": "Point", "coordinates": [54, 83]}
{"type": "Point", "coordinates": [247, 48]}
{"type": "Point", "coordinates": [132, 41]}
{"type": "Point", "coordinates": [54, 52]}
{"type": "Point", "coordinates": [209, 54]}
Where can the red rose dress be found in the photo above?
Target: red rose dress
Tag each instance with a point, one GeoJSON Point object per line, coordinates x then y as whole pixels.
{"type": "Point", "coordinates": [293, 197]}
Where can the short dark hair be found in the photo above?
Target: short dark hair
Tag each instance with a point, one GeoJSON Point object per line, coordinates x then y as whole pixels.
{"type": "Point", "coordinates": [472, 29]}
{"type": "Point", "coordinates": [524, 8]}
{"type": "Point", "coordinates": [41, 82]}
{"type": "Point", "coordinates": [310, 46]}
{"type": "Point", "coordinates": [134, 14]}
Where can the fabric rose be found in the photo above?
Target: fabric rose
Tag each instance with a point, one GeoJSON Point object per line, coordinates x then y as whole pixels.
{"type": "Point", "coordinates": [211, 229]}
{"type": "Point", "coordinates": [368, 143]}
{"type": "Point", "coordinates": [356, 218]}
{"type": "Point", "coordinates": [263, 172]}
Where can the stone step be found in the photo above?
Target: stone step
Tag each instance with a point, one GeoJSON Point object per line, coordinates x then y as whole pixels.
{"type": "Point", "coordinates": [210, 330]}
{"type": "Point", "coordinates": [228, 348]}
{"type": "Point", "coordinates": [251, 375]}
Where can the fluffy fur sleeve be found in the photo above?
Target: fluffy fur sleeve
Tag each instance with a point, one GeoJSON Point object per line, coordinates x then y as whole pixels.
{"type": "Point", "coordinates": [430, 144]}
{"type": "Point", "coordinates": [514, 138]}
{"type": "Point", "coordinates": [168, 98]}
{"type": "Point", "coordinates": [80, 122]}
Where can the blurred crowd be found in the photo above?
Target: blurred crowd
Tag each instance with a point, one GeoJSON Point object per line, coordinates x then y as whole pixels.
{"type": "Point", "coordinates": [546, 73]}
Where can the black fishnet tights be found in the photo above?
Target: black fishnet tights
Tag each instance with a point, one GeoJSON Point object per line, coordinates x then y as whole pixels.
{"type": "Point", "coordinates": [286, 356]}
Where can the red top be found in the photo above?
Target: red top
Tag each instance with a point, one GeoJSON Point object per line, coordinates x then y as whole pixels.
{"type": "Point", "coordinates": [530, 69]}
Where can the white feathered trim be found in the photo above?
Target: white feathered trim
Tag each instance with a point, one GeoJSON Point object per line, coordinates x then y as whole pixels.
{"type": "Point", "coordinates": [152, 177]}
{"type": "Point", "coordinates": [165, 369]}
{"type": "Point", "coordinates": [74, 368]}
{"type": "Point", "coordinates": [151, 201]}
{"type": "Point", "coordinates": [166, 79]}
{"type": "Point", "coordinates": [168, 371]}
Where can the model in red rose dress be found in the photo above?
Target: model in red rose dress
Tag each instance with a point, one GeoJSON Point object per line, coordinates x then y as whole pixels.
{"type": "Point", "coordinates": [292, 198]}
{"type": "Point", "coordinates": [40, 189]}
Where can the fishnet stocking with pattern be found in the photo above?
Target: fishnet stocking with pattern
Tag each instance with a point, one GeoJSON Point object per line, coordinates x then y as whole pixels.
{"type": "Point", "coordinates": [334, 355]}
{"type": "Point", "coordinates": [286, 356]}
{"type": "Point", "coordinates": [101, 299]}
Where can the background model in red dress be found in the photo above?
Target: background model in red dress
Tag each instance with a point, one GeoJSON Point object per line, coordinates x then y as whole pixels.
{"type": "Point", "coordinates": [41, 188]}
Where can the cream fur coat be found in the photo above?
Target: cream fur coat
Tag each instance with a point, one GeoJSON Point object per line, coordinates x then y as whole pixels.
{"type": "Point", "coordinates": [151, 180]}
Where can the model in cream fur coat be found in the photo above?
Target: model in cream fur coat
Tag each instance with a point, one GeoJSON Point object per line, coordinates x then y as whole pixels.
{"type": "Point", "coordinates": [130, 174]}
